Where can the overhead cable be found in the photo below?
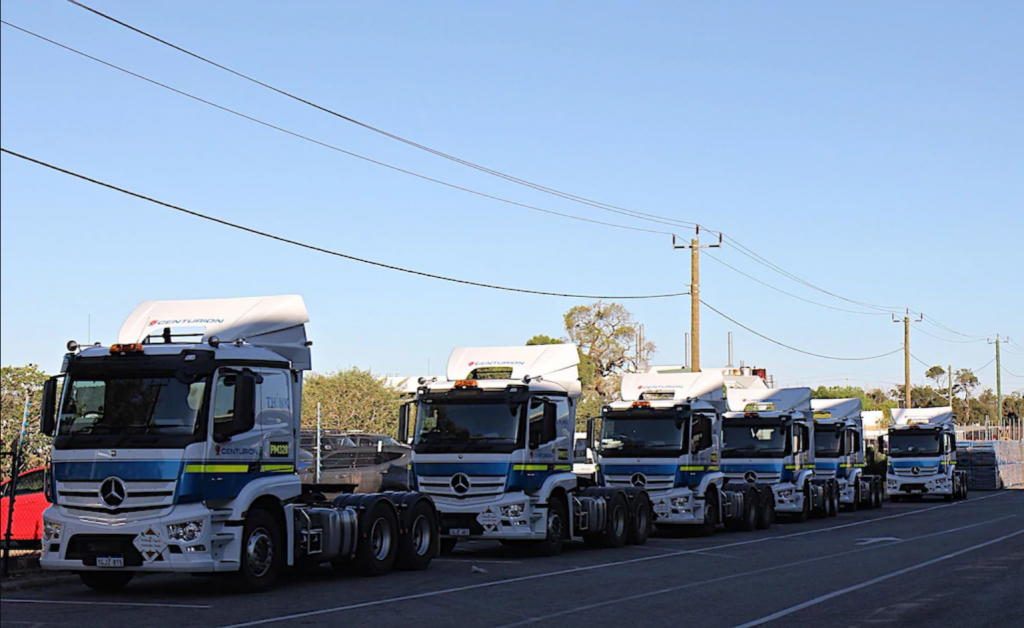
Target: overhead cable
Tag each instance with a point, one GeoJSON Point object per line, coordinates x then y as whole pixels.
{"type": "Point", "coordinates": [791, 348]}
{"type": "Point", "coordinates": [327, 145]}
{"type": "Point", "coordinates": [327, 251]}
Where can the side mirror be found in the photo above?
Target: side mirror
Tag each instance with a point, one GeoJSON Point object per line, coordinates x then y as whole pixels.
{"type": "Point", "coordinates": [245, 404]}
{"type": "Point", "coordinates": [403, 424]}
{"type": "Point", "coordinates": [550, 422]}
{"type": "Point", "coordinates": [591, 426]}
{"type": "Point", "coordinates": [48, 416]}
{"type": "Point", "coordinates": [882, 445]}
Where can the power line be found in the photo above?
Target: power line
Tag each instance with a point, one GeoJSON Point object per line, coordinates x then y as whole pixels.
{"type": "Point", "coordinates": [936, 323]}
{"type": "Point", "coordinates": [536, 186]}
{"type": "Point", "coordinates": [323, 250]}
{"type": "Point", "coordinates": [1007, 371]}
{"type": "Point", "coordinates": [789, 294]}
{"type": "Point", "coordinates": [572, 197]}
{"type": "Point", "coordinates": [963, 342]}
{"type": "Point", "coordinates": [325, 144]}
{"type": "Point", "coordinates": [923, 363]}
{"type": "Point", "coordinates": [984, 367]}
{"type": "Point", "coordinates": [772, 340]}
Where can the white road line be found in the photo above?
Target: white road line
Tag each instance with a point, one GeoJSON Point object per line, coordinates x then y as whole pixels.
{"type": "Point", "coordinates": [874, 581]}
{"type": "Point", "coordinates": [124, 604]}
{"type": "Point", "coordinates": [471, 561]}
{"type": "Point", "coordinates": [693, 585]}
{"type": "Point", "coordinates": [578, 570]}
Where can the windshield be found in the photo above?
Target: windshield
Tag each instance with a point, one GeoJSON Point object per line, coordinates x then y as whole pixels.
{"type": "Point", "coordinates": [755, 439]}
{"type": "Point", "coordinates": [908, 445]}
{"type": "Point", "coordinates": [827, 442]}
{"type": "Point", "coordinates": [468, 427]}
{"type": "Point", "coordinates": [642, 434]}
{"type": "Point", "coordinates": [111, 411]}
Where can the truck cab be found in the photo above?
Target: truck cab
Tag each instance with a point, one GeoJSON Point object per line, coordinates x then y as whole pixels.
{"type": "Point", "coordinates": [662, 437]}
{"type": "Point", "coordinates": [175, 450]}
{"type": "Point", "coordinates": [768, 438]}
{"type": "Point", "coordinates": [839, 452]}
{"type": "Point", "coordinates": [922, 455]}
{"type": "Point", "coordinates": [494, 447]}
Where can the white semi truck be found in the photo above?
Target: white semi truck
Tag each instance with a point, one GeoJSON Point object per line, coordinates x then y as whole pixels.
{"type": "Point", "coordinates": [494, 449]}
{"type": "Point", "coordinates": [175, 451]}
{"type": "Point", "coordinates": [768, 438]}
{"type": "Point", "coordinates": [922, 455]}
{"type": "Point", "coordinates": [664, 436]}
{"type": "Point", "coordinates": [839, 452]}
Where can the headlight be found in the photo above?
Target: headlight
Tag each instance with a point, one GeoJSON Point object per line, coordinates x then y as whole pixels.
{"type": "Point", "coordinates": [514, 511]}
{"type": "Point", "coordinates": [51, 531]}
{"type": "Point", "coordinates": [680, 502]}
{"type": "Point", "coordinates": [187, 532]}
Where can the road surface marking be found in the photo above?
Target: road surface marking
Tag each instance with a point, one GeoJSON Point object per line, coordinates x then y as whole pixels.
{"type": "Point", "coordinates": [124, 604]}
{"type": "Point", "coordinates": [882, 539]}
{"type": "Point", "coordinates": [693, 585]}
{"type": "Point", "coordinates": [578, 570]}
{"type": "Point", "coordinates": [874, 581]}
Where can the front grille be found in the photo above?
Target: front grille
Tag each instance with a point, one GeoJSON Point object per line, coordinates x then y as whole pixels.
{"type": "Point", "coordinates": [484, 486]}
{"type": "Point", "coordinates": [144, 498]}
{"type": "Point", "coordinates": [654, 482]}
{"type": "Point", "coordinates": [762, 478]}
{"type": "Point", "coordinates": [88, 547]}
{"type": "Point", "coordinates": [922, 472]}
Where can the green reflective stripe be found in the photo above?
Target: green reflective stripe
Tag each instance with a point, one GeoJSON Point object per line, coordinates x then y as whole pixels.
{"type": "Point", "coordinates": [217, 468]}
{"type": "Point", "coordinates": [541, 467]}
{"type": "Point", "coordinates": [696, 469]}
{"type": "Point", "coordinates": [278, 468]}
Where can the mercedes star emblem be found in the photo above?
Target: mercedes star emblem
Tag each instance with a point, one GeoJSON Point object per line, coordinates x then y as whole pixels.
{"type": "Point", "coordinates": [113, 492]}
{"type": "Point", "coordinates": [460, 483]}
{"type": "Point", "coordinates": [638, 480]}
{"type": "Point", "coordinates": [916, 471]}
{"type": "Point", "coordinates": [750, 477]}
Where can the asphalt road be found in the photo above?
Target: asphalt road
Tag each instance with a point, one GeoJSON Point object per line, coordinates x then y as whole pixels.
{"type": "Point", "coordinates": [920, 564]}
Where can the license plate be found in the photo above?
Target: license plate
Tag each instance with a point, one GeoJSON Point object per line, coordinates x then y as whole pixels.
{"type": "Point", "coordinates": [110, 562]}
{"type": "Point", "coordinates": [461, 532]}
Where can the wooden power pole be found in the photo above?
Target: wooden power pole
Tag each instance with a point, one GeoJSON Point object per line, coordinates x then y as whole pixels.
{"type": "Point", "coordinates": [695, 246]}
{"type": "Point", "coordinates": [906, 320]}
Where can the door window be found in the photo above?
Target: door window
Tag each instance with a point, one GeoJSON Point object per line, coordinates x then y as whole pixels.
{"type": "Point", "coordinates": [224, 405]}
{"type": "Point", "coordinates": [276, 400]}
{"type": "Point", "coordinates": [31, 483]}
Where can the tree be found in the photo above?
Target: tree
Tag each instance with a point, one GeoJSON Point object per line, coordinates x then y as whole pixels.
{"type": "Point", "coordinates": [19, 383]}
{"type": "Point", "coordinates": [965, 383]}
{"type": "Point", "coordinates": [353, 400]}
{"type": "Point", "coordinates": [607, 334]}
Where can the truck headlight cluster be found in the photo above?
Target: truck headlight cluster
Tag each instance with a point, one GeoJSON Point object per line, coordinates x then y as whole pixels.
{"type": "Point", "coordinates": [680, 502]}
{"type": "Point", "coordinates": [892, 483]}
{"type": "Point", "coordinates": [515, 511]}
{"type": "Point", "coordinates": [185, 531]}
{"type": "Point", "coordinates": [51, 531]}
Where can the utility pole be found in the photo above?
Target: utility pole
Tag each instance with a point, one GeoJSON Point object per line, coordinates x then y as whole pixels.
{"type": "Point", "coordinates": [695, 246]}
{"type": "Point", "coordinates": [950, 385]}
{"type": "Point", "coordinates": [999, 373]}
{"type": "Point", "coordinates": [906, 320]}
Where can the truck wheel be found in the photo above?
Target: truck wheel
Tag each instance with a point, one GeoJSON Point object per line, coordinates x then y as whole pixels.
{"type": "Point", "coordinates": [858, 495]}
{"type": "Point", "coordinates": [616, 528]}
{"type": "Point", "coordinates": [105, 581]}
{"type": "Point", "coordinates": [377, 548]}
{"type": "Point", "coordinates": [805, 514]}
{"type": "Point", "coordinates": [879, 492]}
{"type": "Point", "coordinates": [751, 510]}
{"type": "Point", "coordinates": [833, 502]}
{"type": "Point", "coordinates": [767, 515]}
{"type": "Point", "coordinates": [711, 512]}
{"type": "Point", "coordinates": [262, 554]}
{"type": "Point", "coordinates": [419, 545]}
{"type": "Point", "coordinates": [448, 546]}
{"type": "Point", "coordinates": [640, 520]}
{"type": "Point", "coordinates": [557, 527]}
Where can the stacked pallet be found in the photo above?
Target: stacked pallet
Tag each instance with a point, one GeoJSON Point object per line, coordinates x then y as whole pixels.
{"type": "Point", "coordinates": [992, 466]}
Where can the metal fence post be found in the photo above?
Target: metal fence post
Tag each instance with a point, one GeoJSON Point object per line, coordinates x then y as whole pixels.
{"type": "Point", "coordinates": [319, 441]}
{"type": "Point", "coordinates": [5, 568]}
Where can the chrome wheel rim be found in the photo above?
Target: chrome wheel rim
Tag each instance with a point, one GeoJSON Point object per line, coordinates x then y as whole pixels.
{"type": "Point", "coordinates": [555, 529]}
{"type": "Point", "coordinates": [422, 536]}
{"type": "Point", "coordinates": [259, 553]}
{"type": "Point", "coordinates": [619, 520]}
{"type": "Point", "coordinates": [380, 539]}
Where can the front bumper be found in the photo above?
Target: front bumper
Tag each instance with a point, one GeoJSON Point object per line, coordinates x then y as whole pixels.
{"type": "Point", "coordinates": [677, 507]}
{"type": "Point", "coordinates": [788, 499]}
{"type": "Point", "coordinates": [932, 485]}
{"type": "Point", "coordinates": [492, 520]}
{"type": "Point", "coordinates": [82, 543]}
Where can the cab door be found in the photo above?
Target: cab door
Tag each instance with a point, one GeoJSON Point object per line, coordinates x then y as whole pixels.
{"type": "Point", "coordinates": [233, 454]}
{"type": "Point", "coordinates": [276, 421]}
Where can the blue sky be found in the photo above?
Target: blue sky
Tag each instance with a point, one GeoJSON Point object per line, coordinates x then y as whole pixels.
{"type": "Point", "coordinates": [872, 148]}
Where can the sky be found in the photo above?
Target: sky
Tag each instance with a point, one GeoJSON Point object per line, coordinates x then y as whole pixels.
{"type": "Point", "coordinates": [873, 149]}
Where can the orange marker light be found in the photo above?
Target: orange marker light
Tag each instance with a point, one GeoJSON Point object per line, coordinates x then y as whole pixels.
{"type": "Point", "coordinates": [466, 383]}
{"type": "Point", "coordinates": [641, 404]}
{"type": "Point", "coordinates": [126, 349]}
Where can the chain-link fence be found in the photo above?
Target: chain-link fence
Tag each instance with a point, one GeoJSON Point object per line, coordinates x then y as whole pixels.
{"type": "Point", "coordinates": [22, 502]}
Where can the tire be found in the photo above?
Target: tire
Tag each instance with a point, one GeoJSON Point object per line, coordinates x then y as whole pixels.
{"type": "Point", "coordinates": [833, 509]}
{"type": "Point", "coordinates": [641, 522]}
{"type": "Point", "coordinates": [557, 527]}
{"type": "Point", "coordinates": [711, 514]}
{"type": "Point", "coordinates": [106, 581]}
{"type": "Point", "coordinates": [263, 553]}
{"type": "Point", "coordinates": [420, 543]}
{"type": "Point", "coordinates": [858, 497]}
{"type": "Point", "coordinates": [448, 546]}
{"type": "Point", "coordinates": [377, 547]}
{"type": "Point", "coordinates": [767, 514]}
{"type": "Point", "coordinates": [751, 510]}
{"type": "Point", "coordinates": [616, 527]}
